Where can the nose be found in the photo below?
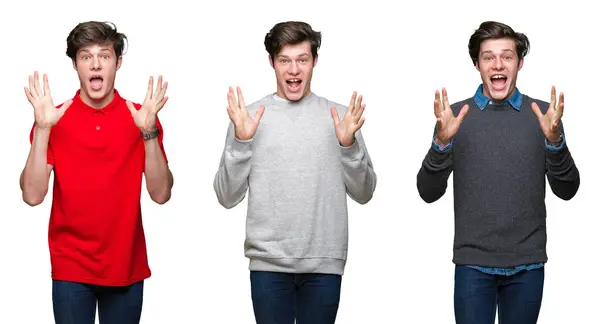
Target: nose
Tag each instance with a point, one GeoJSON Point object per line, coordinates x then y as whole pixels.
{"type": "Point", "coordinates": [293, 68]}
{"type": "Point", "coordinates": [498, 64]}
{"type": "Point", "coordinates": [96, 64]}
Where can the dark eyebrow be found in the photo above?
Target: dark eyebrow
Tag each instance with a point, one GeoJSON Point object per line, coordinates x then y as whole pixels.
{"type": "Point", "coordinates": [285, 56]}
{"type": "Point", "coordinates": [504, 50]}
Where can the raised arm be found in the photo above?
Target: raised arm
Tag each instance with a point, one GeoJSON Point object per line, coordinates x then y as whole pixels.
{"type": "Point", "coordinates": [36, 174]}
{"type": "Point", "coordinates": [561, 171]}
{"type": "Point", "coordinates": [359, 175]}
{"type": "Point", "coordinates": [231, 180]}
{"type": "Point", "coordinates": [432, 178]}
{"type": "Point", "coordinates": [159, 179]}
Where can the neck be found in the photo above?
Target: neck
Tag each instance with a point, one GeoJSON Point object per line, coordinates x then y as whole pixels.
{"type": "Point", "coordinates": [281, 94]}
{"type": "Point", "coordinates": [97, 103]}
{"type": "Point", "coordinates": [486, 93]}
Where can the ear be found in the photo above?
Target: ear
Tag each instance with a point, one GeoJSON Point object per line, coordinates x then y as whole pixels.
{"type": "Point", "coordinates": [119, 61]}
{"type": "Point", "coordinates": [316, 60]}
{"type": "Point", "coordinates": [271, 61]}
{"type": "Point", "coordinates": [74, 64]}
{"type": "Point", "coordinates": [477, 66]}
{"type": "Point", "coordinates": [521, 63]}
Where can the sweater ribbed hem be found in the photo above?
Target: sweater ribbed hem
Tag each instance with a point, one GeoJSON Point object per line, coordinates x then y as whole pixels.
{"type": "Point", "coordinates": [292, 265]}
{"type": "Point", "coordinates": [469, 256]}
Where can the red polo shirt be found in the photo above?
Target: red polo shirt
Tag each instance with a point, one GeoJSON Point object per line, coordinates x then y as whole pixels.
{"type": "Point", "coordinates": [95, 232]}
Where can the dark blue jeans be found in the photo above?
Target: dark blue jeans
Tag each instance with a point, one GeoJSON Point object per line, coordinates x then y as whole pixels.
{"type": "Point", "coordinates": [281, 298]}
{"type": "Point", "coordinates": [75, 303]}
{"type": "Point", "coordinates": [518, 298]}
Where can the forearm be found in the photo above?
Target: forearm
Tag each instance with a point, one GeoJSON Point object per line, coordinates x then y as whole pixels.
{"type": "Point", "coordinates": [231, 180]}
{"type": "Point", "coordinates": [159, 179]}
{"type": "Point", "coordinates": [562, 173]}
{"type": "Point", "coordinates": [432, 179]}
{"type": "Point", "coordinates": [359, 176]}
{"type": "Point", "coordinates": [35, 175]}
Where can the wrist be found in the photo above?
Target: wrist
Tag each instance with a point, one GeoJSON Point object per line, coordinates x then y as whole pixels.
{"type": "Point", "coordinates": [45, 128]}
{"type": "Point", "coordinates": [555, 145]}
{"type": "Point", "coordinates": [40, 130]}
{"type": "Point", "coordinates": [347, 142]}
{"type": "Point", "coordinates": [441, 143]}
{"type": "Point", "coordinates": [149, 134]}
{"type": "Point", "coordinates": [554, 138]}
{"type": "Point", "coordinates": [148, 129]}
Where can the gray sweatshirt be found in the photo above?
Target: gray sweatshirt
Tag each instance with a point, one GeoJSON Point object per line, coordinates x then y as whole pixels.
{"type": "Point", "coordinates": [297, 176]}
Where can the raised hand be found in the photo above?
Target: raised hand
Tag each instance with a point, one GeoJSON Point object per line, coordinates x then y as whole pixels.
{"type": "Point", "coordinates": [145, 117]}
{"type": "Point", "coordinates": [352, 121]}
{"type": "Point", "coordinates": [549, 121]}
{"type": "Point", "coordinates": [245, 126]}
{"type": "Point", "coordinates": [46, 114]}
{"type": "Point", "coordinates": [447, 124]}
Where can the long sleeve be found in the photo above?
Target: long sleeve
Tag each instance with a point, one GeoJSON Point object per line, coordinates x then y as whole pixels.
{"type": "Point", "coordinates": [432, 179]}
{"type": "Point", "coordinates": [231, 180]}
{"type": "Point", "coordinates": [561, 171]}
{"type": "Point", "coordinates": [359, 175]}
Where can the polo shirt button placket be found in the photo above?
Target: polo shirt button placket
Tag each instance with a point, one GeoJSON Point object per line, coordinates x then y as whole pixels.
{"type": "Point", "coordinates": [99, 115]}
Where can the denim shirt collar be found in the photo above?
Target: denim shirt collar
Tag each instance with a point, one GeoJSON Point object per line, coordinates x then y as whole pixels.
{"type": "Point", "coordinates": [482, 101]}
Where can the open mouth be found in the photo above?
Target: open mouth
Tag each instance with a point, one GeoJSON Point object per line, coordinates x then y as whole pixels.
{"type": "Point", "coordinates": [498, 81]}
{"type": "Point", "coordinates": [96, 82]}
{"type": "Point", "coordinates": [294, 84]}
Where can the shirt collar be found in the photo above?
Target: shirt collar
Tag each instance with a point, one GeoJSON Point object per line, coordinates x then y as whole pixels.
{"type": "Point", "coordinates": [109, 107]}
{"type": "Point", "coordinates": [482, 101]}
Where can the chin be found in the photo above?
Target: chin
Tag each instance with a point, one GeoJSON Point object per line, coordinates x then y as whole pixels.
{"type": "Point", "coordinates": [499, 96]}
{"type": "Point", "coordinates": [294, 96]}
{"type": "Point", "coordinates": [97, 94]}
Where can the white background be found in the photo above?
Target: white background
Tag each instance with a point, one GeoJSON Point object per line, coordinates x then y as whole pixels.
{"type": "Point", "coordinates": [399, 268]}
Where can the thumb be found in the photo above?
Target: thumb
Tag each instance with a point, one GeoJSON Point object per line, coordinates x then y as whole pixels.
{"type": "Point", "coordinates": [259, 113]}
{"type": "Point", "coordinates": [536, 110]}
{"type": "Point", "coordinates": [65, 106]}
{"type": "Point", "coordinates": [334, 115]}
{"type": "Point", "coordinates": [131, 107]}
{"type": "Point", "coordinates": [462, 113]}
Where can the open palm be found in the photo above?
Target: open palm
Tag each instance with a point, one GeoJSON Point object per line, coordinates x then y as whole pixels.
{"type": "Point", "coordinates": [245, 125]}
{"type": "Point", "coordinates": [549, 121]}
{"type": "Point", "coordinates": [447, 123]}
{"type": "Point", "coordinates": [145, 117]}
{"type": "Point", "coordinates": [46, 114]}
{"type": "Point", "coordinates": [351, 122]}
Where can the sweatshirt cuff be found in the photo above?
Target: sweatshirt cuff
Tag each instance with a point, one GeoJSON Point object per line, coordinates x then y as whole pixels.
{"type": "Point", "coordinates": [239, 146]}
{"type": "Point", "coordinates": [352, 152]}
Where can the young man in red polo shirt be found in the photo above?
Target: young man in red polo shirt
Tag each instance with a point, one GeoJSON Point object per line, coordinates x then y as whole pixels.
{"type": "Point", "coordinates": [99, 146]}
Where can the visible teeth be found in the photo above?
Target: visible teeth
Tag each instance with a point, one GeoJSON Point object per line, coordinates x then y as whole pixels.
{"type": "Point", "coordinates": [294, 80]}
{"type": "Point", "coordinates": [498, 77]}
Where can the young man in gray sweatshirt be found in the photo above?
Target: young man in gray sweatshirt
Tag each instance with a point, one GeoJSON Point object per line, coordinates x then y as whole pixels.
{"type": "Point", "coordinates": [298, 156]}
{"type": "Point", "coordinates": [500, 152]}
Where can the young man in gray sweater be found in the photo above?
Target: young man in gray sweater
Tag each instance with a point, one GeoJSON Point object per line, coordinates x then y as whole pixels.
{"type": "Point", "coordinates": [298, 156]}
{"type": "Point", "coordinates": [500, 144]}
